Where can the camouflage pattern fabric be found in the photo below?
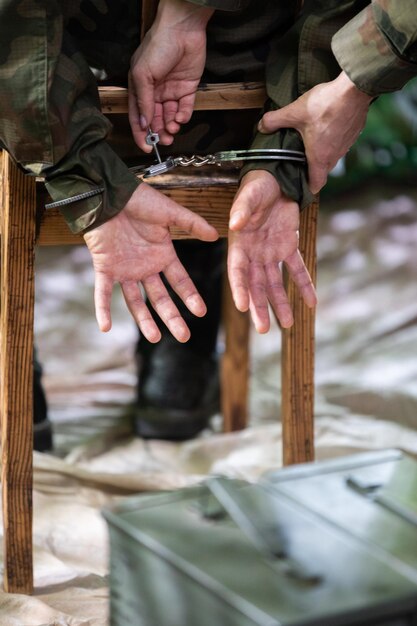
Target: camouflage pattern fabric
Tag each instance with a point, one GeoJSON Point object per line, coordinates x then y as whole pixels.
{"type": "Point", "coordinates": [300, 59]}
{"type": "Point", "coordinates": [50, 120]}
{"type": "Point", "coordinates": [375, 43]}
{"type": "Point", "coordinates": [378, 47]}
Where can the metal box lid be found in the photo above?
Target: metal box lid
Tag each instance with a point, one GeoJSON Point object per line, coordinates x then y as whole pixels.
{"type": "Point", "coordinates": [332, 543]}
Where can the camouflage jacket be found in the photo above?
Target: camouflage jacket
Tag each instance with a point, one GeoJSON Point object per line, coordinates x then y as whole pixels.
{"type": "Point", "coordinates": [50, 120]}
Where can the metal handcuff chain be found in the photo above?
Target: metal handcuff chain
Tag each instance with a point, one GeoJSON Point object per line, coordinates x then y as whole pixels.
{"type": "Point", "coordinates": [219, 158]}
{"type": "Point", "coordinates": [196, 160]}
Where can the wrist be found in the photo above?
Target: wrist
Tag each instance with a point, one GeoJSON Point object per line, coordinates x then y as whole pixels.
{"type": "Point", "coordinates": [349, 90]}
{"type": "Point", "coordinates": [183, 14]}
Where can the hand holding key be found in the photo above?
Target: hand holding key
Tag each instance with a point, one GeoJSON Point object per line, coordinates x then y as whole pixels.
{"type": "Point", "coordinates": [166, 69]}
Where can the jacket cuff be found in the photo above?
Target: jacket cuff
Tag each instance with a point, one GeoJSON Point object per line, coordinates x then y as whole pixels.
{"type": "Point", "coordinates": [368, 57]}
{"type": "Point", "coordinates": [292, 177]}
{"type": "Point", "coordinates": [101, 168]}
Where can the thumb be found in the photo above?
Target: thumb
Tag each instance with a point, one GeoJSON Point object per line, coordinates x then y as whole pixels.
{"type": "Point", "coordinates": [256, 190]}
{"type": "Point", "coordinates": [281, 118]}
{"type": "Point", "coordinates": [240, 213]}
{"type": "Point", "coordinates": [192, 223]}
{"type": "Point", "coordinates": [247, 200]}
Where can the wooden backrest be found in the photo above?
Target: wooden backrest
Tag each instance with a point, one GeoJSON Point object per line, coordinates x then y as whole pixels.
{"type": "Point", "coordinates": [198, 190]}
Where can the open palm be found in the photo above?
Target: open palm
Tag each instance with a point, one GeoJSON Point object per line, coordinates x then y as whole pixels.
{"type": "Point", "coordinates": [264, 233]}
{"type": "Point", "coordinates": [133, 248]}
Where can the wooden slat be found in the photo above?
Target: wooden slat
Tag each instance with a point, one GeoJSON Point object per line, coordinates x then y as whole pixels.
{"type": "Point", "coordinates": [298, 358]}
{"type": "Point", "coordinates": [218, 96]}
{"type": "Point", "coordinates": [54, 231]}
{"type": "Point", "coordinates": [212, 202]}
{"type": "Point", "coordinates": [16, 330]}
{"type": "Point", "coordinates": [235, 364]}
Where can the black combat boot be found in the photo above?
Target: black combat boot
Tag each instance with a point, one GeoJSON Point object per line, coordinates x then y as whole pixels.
{"type": "Point", "coordinates": [42, 429]}
{"type": "Point", "coordinates": [178, 388]}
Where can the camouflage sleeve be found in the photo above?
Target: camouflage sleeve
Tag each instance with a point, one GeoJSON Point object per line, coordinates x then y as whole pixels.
{"type": "Point", "coordinates": [50, 120]}
{"type": "Point", "coordinates": [299, 60]}
{"type": "Point", "coordinates": [378, 48]}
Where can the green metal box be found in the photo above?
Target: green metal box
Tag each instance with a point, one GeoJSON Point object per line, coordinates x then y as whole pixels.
{"type": "Point", "coordinates": [326, 544]}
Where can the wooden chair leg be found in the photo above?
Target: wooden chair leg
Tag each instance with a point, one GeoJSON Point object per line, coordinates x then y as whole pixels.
{"type": "Point", "coordinates": [16, 355]}
{"type": "Point", "coordinates": [235, 364]}
{"type": "Point", "coordinates": [297, 369]}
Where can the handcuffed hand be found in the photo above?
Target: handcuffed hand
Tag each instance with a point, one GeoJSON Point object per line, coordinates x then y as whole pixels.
{"type": "Point", "coordinates": [263, 233]}
{"type": "Point", "coordinates": [132, 249]}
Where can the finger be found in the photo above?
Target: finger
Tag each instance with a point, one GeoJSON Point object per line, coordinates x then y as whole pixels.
{"type": "Point", "coordinates": [251, 200]}
{"type": "Point", "coordinates": [302, 279]}
{"type": "Point", "coordinates": [319, 163]}
{"type": "Point", "coordinates": [184, 287]}
{"type": "Point", "coordinates": [165, 308]}
{"type": "Point", "coordinates": [317, 176]}
{"type": "Point", "coordinates": [158, 209]}
{"type": "Point", "coordinates": [103, 287]}
{"type": "Point", "coordinates": [170, 109]}
{"type": "Point", "coordinates": [140, 311]}
{"type": "Point", "coordinates": [281, 118]}
{"type": "Point", "coordinates": [141, 84]}
{"type": "Point", "coordinates": [237, 269]}
{"type": "Point", "coordinates": [138, 132]}
{"type": "Point", "coordinates": [258, 298]}
{"type": "Point", "coordinates": [185, 109]}
{"type": "Point", "coordinates": [191, 223]}
{"type": "Point", "coordinates": [278, 296]}
{"type": "Point", "coordinates": [158, 125]}
{"type": "Point", "coordinates": [274, 120]}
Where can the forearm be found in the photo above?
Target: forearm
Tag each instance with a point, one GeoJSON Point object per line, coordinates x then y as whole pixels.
{"type": "Point", "coordinates": [378, 48]}
{"type": "Point", "coordinates": [183, 14]}
{"type": "Point", "coordinates": [92, 168]}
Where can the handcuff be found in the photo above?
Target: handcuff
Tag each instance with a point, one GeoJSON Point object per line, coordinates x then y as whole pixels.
{"type": "Point", "coordinates": [217, 158]}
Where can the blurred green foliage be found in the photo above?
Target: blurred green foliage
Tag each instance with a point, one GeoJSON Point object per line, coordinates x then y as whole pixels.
{"type": "Point", "coordinates": [387, 147]}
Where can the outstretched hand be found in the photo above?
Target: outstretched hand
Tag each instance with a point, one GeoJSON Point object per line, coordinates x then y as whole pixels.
{"type": "Point", "coordinates": [132, 249]}
{"type": "Point", "coordinates": [166, 70]}
{"type": "Point", "coordinates": [329, 117]}
{"type": "Point", "coordinates": [263, 233]}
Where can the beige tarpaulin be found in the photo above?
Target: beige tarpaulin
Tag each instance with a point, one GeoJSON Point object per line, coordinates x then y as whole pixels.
{"type": "Point", "coordinates": [366, 399]}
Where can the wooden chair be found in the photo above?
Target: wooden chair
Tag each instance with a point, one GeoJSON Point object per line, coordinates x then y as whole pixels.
{"type": "Point", "coordinates": [211, 198]}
